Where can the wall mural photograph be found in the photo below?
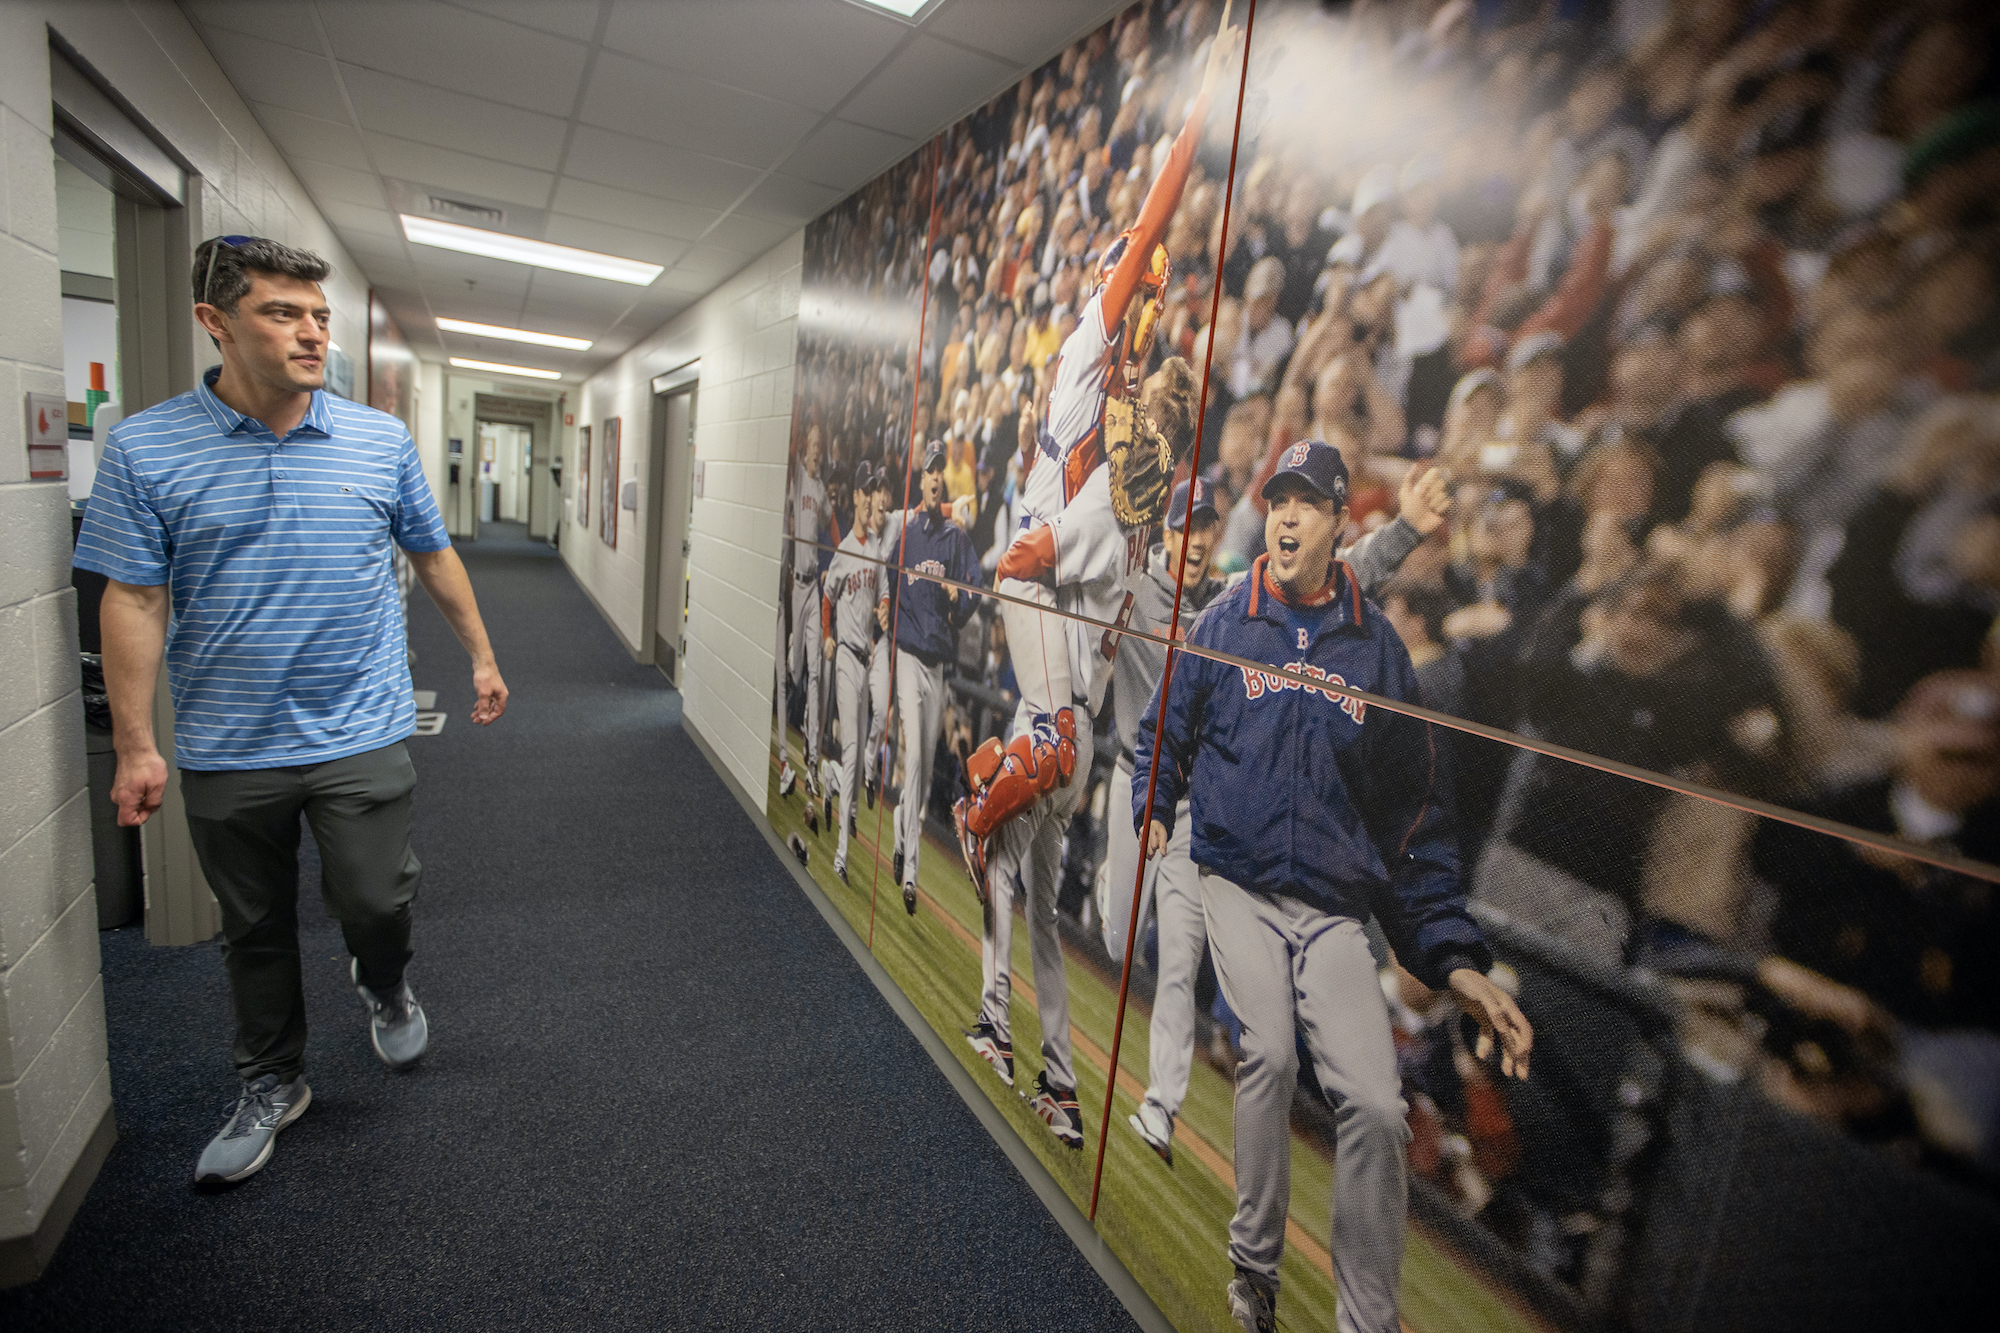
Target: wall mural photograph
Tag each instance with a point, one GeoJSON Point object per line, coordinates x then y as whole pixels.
{"type": "Point", "coordinates": [608, 475]}
{"type": "Point", "coordinates": [1386, 621]}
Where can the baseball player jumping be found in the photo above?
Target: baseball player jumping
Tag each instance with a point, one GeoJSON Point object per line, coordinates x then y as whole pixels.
{"type": "Point", "coordinates": [925, 545]}
{"type": "Point", "coordinates": [852, 590]}
{"type": "Point", "coordinates": [1308, 811]}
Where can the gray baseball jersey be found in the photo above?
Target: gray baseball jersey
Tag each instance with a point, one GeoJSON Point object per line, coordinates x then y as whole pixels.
{"type": "Point", "coordinates": [853, 584]}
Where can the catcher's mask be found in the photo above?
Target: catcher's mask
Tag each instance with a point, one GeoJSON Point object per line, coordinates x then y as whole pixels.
{"type": "Point", "coordinates": [1142, 318]}
{"type": "Point", "coordinates": [1141, 460]}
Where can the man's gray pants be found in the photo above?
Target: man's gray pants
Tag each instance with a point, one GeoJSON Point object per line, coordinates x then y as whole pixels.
{"type": "Point", "coordinates": [803, 662]}
{"type": "Point", "coordinates": [1285, 965]}
{"type": "Point", "coordinates": [920, 705]}
{"type": "Point", "coordinates": [850, 683]}
{"type": "Point", "coordinates": [245, 828]}
{"type": "Point", "coordinates": [1026, 859]}
{"type": "Point", "coordinates": [1172, 889]}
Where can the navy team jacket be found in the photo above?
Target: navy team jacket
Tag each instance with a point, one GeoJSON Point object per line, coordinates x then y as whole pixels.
{"type": "Point", "coordinates": [928, 621]}
{"type": "Point", "coordinates": [1304, 792]}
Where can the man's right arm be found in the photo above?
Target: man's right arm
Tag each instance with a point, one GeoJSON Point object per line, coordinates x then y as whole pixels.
{"type": "Point", "coordinates": [133, 618]}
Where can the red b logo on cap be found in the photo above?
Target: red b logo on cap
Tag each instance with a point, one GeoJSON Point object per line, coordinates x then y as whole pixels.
{"type": "Point", "coordinates": [1298, 458]}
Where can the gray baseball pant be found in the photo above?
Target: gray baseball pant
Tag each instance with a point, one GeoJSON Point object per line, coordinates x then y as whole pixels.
{"type": "Point", "coordinates": [850, 682]}
{"type": "Point", "coordinates": [1171, 888]}
{"type": "Point", "coordinates": [878, 706]}
{"type": "Point", "coordinates": [1026, 859]}
{"type": "Point", "coordinates": [803, 662]}
{"type": "Point", "coordinates": [920, 705]}
{"type": "Point", "coordinates": [1287, 965]}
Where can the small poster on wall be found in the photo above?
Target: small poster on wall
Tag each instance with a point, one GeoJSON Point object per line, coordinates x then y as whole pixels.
{"type": "Point", "coordinates": [583, 475]}
{"type": "Point", "coordinates": [607, 506]}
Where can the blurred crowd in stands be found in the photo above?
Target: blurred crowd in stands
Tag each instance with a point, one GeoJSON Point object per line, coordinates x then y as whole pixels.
{"type": "Point", "coordinates": [1696, 301]}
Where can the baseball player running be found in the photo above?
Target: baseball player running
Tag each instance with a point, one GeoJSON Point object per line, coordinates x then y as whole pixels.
{"type": "Point", "coordinates": [852, 589]}
{"type": "Point", "coordinates": [927, 616]}
{"type": "Point", "coordinates": [1170, 886]}
{"type": "Point", "coordinates": [1307, 812]}
{"type": "Point", "coordinates": [809, 520]}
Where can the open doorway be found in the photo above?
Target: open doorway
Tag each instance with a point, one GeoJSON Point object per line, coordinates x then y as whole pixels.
{"type": "Point", "coordinates": [670, 488]}
{"type": "Point", "coordinates": [512, 442]}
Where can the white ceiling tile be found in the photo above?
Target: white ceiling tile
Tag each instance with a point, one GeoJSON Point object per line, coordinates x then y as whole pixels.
{"type": "Point", "coordinates": [845, 155]}
{"type": "Point", "coordinates": [310, 137]}
{"type": "Point", "coordinates": [356, 220]}
{"type": "Point", "coordinates": [277, 75]}
{"type": "Point", "coordinates": [810, 52]}
{"type": "Point", "coordinates": [458, 49]}
{"type": "Point", "coordinates": [789, 199]}
{"type": "Point", "coordinates": [680, 109]}
{"type": "Point", "coordinates": [710, 261]}
{"type": "Point", "coordinates": [603, 237]}
{"type": "Point", "coordinates": [1025, 31]}
{"type": "Point", "coordinates": [291, 24]}
{"type": "Point", "coordinates": [452, 120]}
{"type": "Point", "coordinates": [651, 168]}
{"type": "Point", "coordinates": [748, 235]}
{"type": "Point", "coordinates": [641, 212]}
{"type": "Point", "coordinates": [925, 86]}
{"type": "Point", "coordinates": [424, 164]}
{"type": "Point", "coordinates": [565, 18]}
{"type": "Point", "coordinates": [331, 184]}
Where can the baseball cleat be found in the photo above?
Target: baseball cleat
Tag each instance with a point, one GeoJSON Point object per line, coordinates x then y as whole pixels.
{"type": "Point", "coordinates": [787, 779]}
{"type": "Point", "coordinates": [1058, 1110]}
{"type": "Point", "coordinates": [872, 786]}
{"type": "Point", "coordinates": [1156, 1127]}
{"type": "Point", "coordinates": [1254, 1308]}
{"type": "Point", "coordinates": [974, 848]}
{"type": "Point", "coordinates": [993, 1049]}
{"type": "Point", "coordinates": [910, 899]}
{"type": "Point", "coordinates": [798, 846]}
{"type": "Point", "coordinates": [840, 869]}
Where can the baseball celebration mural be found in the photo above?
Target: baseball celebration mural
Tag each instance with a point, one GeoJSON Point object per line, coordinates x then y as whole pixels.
{"type": "Point", "coordinates": [1437, 560]}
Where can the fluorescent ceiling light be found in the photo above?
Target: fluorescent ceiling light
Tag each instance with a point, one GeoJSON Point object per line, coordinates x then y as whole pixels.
{"type": "Point", "coordinates": [521, 250]}
{"type": "Point", "coordinates": [494, 368]}
{"type": "Point", "coordinates": [513, 335]}
{"type": "Point", "coordinates": [905, 8]}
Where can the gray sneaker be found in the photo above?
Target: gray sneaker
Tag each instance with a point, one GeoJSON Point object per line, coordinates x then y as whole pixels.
{"type": "Point", "coordinates": [396, 1024]}
{"type": "Point", "coordinates": [240, 1149]}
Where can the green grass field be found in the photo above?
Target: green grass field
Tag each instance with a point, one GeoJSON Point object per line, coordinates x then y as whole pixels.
{"type": "Point", "coordinates": [1168, 1225]}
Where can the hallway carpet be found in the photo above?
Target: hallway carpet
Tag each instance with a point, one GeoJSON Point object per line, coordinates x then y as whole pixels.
{"type": "Point", "coordinates": [660, 1092]}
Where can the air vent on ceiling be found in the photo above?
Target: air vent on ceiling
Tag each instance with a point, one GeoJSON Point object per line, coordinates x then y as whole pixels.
{"type": "Point", "coordinates": [457, 210]}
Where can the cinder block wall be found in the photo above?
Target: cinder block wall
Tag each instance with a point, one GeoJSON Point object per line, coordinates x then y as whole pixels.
{"type": "Point", "coordinates": [55, 1086]}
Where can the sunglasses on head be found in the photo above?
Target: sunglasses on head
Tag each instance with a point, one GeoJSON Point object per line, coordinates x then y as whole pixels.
{"type": "Point", "coordinates": [215, 248]}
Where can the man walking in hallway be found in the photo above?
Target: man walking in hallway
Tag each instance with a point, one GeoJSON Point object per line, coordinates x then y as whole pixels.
{"type": "Point", "coordinates": [246, 529]}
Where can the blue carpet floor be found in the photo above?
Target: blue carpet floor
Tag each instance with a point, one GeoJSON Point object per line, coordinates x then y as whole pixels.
{"type": "Point", "coordinates": [660, 1093]}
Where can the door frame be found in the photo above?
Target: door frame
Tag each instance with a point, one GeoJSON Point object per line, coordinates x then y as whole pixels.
{"type": "Point", "coordinates": [669, 468]}
{"type": "Point", "coordinates": [540, 419]}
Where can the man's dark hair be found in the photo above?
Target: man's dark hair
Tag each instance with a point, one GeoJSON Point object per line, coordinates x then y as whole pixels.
{"type": "Point", "coordinates": [228, 280]}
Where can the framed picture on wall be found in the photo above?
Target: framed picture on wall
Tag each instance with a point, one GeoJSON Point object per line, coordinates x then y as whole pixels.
{"type": "Point", "coordinates": [583, 475]}
{"type": "Point", "coordinates": [607, 500]}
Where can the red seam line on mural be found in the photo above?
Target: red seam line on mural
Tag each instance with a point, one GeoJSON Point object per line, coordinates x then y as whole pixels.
{"type": "Point", "coordinates": [1174, 621]}
{"type": "Point", "coordinates": [936, 146]}
{"type": "Point", "coordinates": [1713, 795]}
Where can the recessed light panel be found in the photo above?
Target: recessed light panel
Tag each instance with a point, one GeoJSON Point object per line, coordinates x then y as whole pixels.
{"type": "Point", "coordinates": [495, 368]}
{"type": "Point", "coordinates": [521, 250]}
{"type": "Point", "coordinates": [512, 335]}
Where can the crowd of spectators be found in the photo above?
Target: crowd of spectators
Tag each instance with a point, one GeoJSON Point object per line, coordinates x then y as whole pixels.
{"type": "Point", "coordinates": [1697, 302]}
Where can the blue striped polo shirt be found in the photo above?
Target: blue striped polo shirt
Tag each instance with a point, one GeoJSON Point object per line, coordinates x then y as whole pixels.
{"type": "Point", "coordinates": [286, 644]}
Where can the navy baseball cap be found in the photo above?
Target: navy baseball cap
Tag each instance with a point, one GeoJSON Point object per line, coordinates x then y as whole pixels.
{"type": "Point", "coordinates": [933, 455]}
{"type": "Point", "coordinates": [864, 475]}
{"type": "Point", "coordinates": [1204, 503]}
{"type": "Point", "coordinates": [1317, 464]}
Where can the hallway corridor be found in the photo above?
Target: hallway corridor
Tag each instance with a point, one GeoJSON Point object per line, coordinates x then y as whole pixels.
{"type": "Point", "coordinates": [660, 1093]}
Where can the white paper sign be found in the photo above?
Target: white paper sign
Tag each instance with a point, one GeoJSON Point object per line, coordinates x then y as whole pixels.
{"type": "Point", "coordinates": [48, 437]}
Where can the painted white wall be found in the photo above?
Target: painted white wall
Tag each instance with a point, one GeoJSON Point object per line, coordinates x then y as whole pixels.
{"type": "Point", "coordinates": [745, 334]}
{"type": "Point", "coordinates": [54, 1080]}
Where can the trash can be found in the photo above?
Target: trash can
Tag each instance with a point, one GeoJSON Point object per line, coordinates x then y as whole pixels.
{"type": "Point", "coordinates": [120, 887]}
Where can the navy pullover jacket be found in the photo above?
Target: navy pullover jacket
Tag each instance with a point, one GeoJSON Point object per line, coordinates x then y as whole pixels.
{"type": "Point", "coordinates": [1304, 792]}
{"type": "Point", "coordinates": [928, 621]}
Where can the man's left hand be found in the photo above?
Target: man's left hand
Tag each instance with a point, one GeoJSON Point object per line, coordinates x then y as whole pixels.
{"type": "Point", "coordinates": [492, 692]}
{"type": "Point", "coordinates": [1498, 1017]}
